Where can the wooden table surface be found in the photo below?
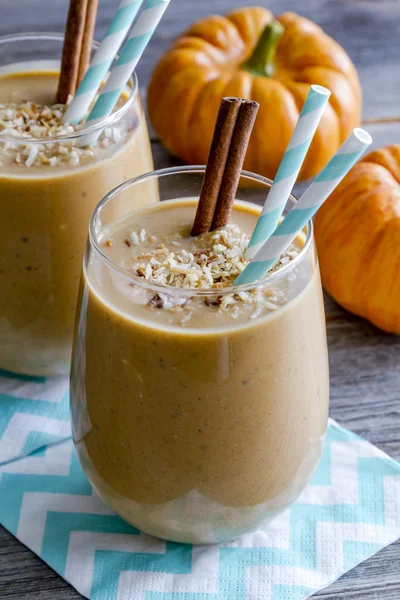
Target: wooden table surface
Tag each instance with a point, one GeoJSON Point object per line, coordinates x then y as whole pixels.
{"type": "Point", "coordinates": [364, 362]}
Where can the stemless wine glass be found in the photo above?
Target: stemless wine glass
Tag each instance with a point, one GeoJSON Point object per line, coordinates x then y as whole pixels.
{"type": "Point", "coordinates": [45, 208]}
{"type": "Point", "coordinates": [199, 434]}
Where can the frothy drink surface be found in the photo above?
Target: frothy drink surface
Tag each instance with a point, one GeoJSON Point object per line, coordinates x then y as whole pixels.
{"type": "Point", "coordinates": [197, 429]}
{"type": "Point", "coordinates": [47, 193]}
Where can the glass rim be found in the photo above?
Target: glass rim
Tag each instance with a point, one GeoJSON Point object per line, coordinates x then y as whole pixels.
{"type": "Point", "coordinates": [76, 135]}
{"type": "Point", "coordinates": [165, 289]}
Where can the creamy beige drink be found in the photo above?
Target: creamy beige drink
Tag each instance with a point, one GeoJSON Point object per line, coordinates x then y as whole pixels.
{"type": "Point", "coordinates": [48, 189]}
{"type": "Point", "coordinates": [199, 410]}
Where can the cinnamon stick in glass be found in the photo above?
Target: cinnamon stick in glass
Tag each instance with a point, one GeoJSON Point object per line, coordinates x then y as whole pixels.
{"type": "Point", "coordinates": [237, 152]}
{"type": "Point", "coordinates": [87, 40]}
{"type": "Point", "coordinates": [223, 132]}
{"type": "Point", "coordinates": [74, 30]}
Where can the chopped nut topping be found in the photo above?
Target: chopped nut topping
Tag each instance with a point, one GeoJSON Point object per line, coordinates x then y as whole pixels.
{"type": "Point", "coordinates": [156, 301]}
{"type": "Point", "coordinates": [213, 301]}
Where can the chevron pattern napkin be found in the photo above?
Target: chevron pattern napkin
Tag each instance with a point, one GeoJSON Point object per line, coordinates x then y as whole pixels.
{"type": "Point", "coordinates": [34, 412]}
{"type": "Point", "coordinates": [349, 511]}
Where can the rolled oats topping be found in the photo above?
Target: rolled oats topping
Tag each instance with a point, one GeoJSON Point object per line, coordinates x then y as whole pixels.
{"type": "Point", "coordinates": [211, 261]}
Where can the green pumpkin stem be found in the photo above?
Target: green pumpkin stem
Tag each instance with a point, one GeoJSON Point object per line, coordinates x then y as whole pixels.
{"type": "Point", "coordinates": [262, 61]}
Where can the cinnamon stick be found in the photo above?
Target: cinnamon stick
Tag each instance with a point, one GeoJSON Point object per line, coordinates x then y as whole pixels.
{"type": "Point", "coordinates": [223, 132]}
{"type": "Point", "coordinates": [237, 152]}
{"type": "Point", "coordinates": [87, 40]}
{"type": "Point", "coordinates": [72, 49]}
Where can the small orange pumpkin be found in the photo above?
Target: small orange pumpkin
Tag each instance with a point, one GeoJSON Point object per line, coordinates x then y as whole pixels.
{"type": "Point", "coordinates": [357, 231]}
{"type": "Point", "coordinates": [248, 54]}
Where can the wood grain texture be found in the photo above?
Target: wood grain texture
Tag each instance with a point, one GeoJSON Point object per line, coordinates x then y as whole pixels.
{"type": "Point", "coordinates": [364, 362]}
{"type": "Point", "coordinates": [368, 29]}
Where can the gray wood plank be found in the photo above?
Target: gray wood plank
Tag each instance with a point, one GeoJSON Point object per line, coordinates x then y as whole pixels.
{"type": "Point", "coordinates": [364, 362]}
{"type": "Point", "coordinates": [368, 29]}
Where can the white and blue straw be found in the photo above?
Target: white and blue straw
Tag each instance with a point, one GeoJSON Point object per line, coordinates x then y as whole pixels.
{"type": "Point", "coordinates": [308, 204]}
{"type": "Point", "coordinates": [289, 168]}
{"type": "Point", "coordinates": [102, 61]}
{"type": "Point", "coordinates": [125, 65]}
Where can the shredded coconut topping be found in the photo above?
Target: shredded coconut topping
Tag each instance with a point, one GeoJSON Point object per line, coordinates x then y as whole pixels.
{"type": "Point", "coordinates": [31, 120]}
{"type": "Point", "coordinates": [215, 259]}
{"type": "Point", "coordinates": [211, 261]}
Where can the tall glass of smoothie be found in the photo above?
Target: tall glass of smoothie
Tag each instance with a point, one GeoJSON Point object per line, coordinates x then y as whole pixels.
{"type": "Point", "coordinates": [49, 186]}
{"type": "Point", "coordinates": [199, 409]}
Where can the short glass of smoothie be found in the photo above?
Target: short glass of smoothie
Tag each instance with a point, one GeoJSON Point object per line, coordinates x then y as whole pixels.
{"type": "Point", "coordinates": [199, 408]}
{"type": "Point", "coordinates": [49, 185]}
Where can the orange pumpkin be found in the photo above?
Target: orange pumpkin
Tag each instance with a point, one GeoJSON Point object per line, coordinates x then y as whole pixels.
{"type": "Point", "coordinates": [248, 54]}
{"type": "Point", "coordinates": [357, 231]}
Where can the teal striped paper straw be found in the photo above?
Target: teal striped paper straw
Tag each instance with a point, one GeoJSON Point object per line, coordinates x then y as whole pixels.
{"type": "Point", "coordinates": [289, 168]}
{"type": "Point", "coordinates": [102, 60]}
{"type": "Point", "coordinates": [307, 206]}
{"type": "Point", "coordinates": [129, 58]}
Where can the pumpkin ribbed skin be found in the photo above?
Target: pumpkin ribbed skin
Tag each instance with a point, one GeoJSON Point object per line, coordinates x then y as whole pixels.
{"type": "Point", "coordinates": [206, 64]}
{"type": "Point", "coordinates": [357, 231]}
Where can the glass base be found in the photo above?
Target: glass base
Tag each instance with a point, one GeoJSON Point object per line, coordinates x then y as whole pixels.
{"type": "Point", "coordinates": [196, 519]}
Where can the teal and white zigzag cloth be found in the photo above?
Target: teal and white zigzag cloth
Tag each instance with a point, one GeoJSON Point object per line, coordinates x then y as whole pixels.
{"type": "Point", "coordinates": [34, 412]}
{"type": "Point", "coordinates": [349, 511]}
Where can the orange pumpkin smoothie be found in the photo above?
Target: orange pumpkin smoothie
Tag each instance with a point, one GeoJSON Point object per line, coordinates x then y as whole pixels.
{"type": "Point", "coordinates": [48, 189]}
{"type": "Point", "coordinates": [199, 410]}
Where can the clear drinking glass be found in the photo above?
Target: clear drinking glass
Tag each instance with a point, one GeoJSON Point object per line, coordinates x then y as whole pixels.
{"type": "Point", "coordinates": [196, 435]}
{"type": "Point", "coordinates": [45, 207]}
